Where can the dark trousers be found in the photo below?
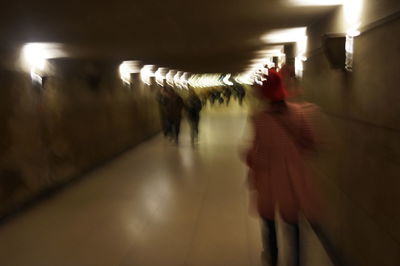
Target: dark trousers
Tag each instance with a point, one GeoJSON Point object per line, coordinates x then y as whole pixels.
{"type": "Point", "coordinates": [194, 126]}
{"type": "Point", "coordinates": [165, 126]}
{"type": "Point", "coordinates": [175, 126]}
{"type": "Point", "coordinates": [270, 242]}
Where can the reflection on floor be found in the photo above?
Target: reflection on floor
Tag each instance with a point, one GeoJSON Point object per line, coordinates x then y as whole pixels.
{"type": "Point", "coordinates": [158, 204]}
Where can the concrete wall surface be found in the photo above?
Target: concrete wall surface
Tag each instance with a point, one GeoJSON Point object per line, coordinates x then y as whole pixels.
{"type": "Point", "coordinates": [359, 172]}
{"type": "Point", "coordinates": [52, 134]}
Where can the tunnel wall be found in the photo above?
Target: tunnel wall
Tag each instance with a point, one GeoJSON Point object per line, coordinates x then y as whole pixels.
{"type": "Point", "coordinates": [359, 172]}
{"type": "Point", "coordinates": [53, 134]}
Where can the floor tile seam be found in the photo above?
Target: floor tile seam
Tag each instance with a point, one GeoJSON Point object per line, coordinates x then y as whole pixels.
{"type": "Point", "coordinates": [196, 227]}
{"type": "Point", "coordinates": [206, 196]}
{"type": "Point", "coordinates": [158, 207]}
{"type": "Point", "coordinates": [147, 225]}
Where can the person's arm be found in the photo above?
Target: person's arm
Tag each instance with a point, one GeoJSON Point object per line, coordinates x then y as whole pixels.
{"type": "Point", "coordinates": [251, 152]}
{"type": "Point", "coordinates": [250, 157]}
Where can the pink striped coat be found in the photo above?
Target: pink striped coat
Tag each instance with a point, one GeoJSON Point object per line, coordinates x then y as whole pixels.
{"type": "Point", "coordinates": [276, 162]}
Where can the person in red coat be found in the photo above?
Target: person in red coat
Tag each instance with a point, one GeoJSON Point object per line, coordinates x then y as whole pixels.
{"type": "Point", "coordinates": [277, 173]}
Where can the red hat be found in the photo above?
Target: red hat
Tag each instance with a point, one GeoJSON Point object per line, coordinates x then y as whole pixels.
{"type": "Point", "coordinates": [272, 88]}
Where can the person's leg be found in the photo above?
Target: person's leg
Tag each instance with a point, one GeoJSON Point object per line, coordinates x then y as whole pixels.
{"type": "Point", "coordinates": [169, 128]}
{"type": "Point", "coordinates": [270, 243]}
{"type": "Point", "coordinates": [296, 244]}
{"type": "Point", "coordinates": [165, 126]}
{"type": "Point", "coordinates": [290, 216]}
{"type": "Point", "coordinates": [195, 122]}
{"type": "Point", "coordinates": [192, 132]}
{"type": "Point", "coordinates": [177, 126]}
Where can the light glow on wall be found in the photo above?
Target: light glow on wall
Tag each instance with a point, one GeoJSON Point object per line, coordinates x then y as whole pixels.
{"type": "Point", "coordinates": [227, 81]}
{"type": "Point", "coordinates": [126, 68]}
{"type": "Point", "coordinates": [160, 75]}
{"type": "Point", "coordinates": [284, 35]}
{"type": "Point", "coordinates": [205, 80]}
{"type": "Point", "coordinates": [301, 47]}
{"type": "Point", "coordinates": [36, 78]}
{"type": "Point", "coordinates": [315, 2]}
{"type": "Point", "coordinates": [352, 12]}
{"type": "Point", "coordinates": [184, 80]}
{"type": "Point", "coordinates": [264, 58]}
{"type": "Point", "coordinates": [34, 58]}
{"type": "Point", "coordinates": [146, 73]}
{"type": "Point", "coordinates": [170, 77]}
{"type": "Point", "coordinates": [177, 79]}
{"type": "Point", "coordinates": [291, 35]}
{"type": "Point", "coordinates": [245, 78]}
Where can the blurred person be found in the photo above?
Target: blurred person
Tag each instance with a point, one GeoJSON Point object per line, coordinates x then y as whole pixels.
{"type": "Point", "coordinates": [193, 107]}
{"type": "Point", "coordinates": [240, 93]}
{"type": "Point", "coordinates": [211, 97]}
{"type": "Point", "coordinates": [203, 96]}
{"type": "Point", "coordinates": [174, 113]}
{"type": "Point", "coordinates": [220, 98]}
{"type": "Point", "coordinates": [163, 98]}
{"type": "Point", "coordinates": [227, 94]}
{"type": "Point", "coordinates": [214, 95]}
{"type": "Point", "coordinates": [277, 172]}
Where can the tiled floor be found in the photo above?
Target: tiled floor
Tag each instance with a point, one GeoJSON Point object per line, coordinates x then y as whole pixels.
{"type": "Point", "coordinates": [158, 204]}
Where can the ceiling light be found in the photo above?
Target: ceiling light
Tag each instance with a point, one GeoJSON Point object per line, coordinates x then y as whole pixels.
{"type": "Point", "coordinates": [146, 73]}
{"type": "Point", "coordinates": [126, 68]}
{"type": "Point", "coordinates": [160, 75]}
{"type": "Point", "coordinates": [34, 58]}
{"type": "Point", "coordinates": [227, 81]}
{"type": "Point", "coordinates": [284, 35]}
{"type": "Point", "coordinates": [315, 2]}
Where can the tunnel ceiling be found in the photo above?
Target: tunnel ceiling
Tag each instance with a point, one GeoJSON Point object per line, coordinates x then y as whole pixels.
{"type": "Point", "coordinates": [196, 35]}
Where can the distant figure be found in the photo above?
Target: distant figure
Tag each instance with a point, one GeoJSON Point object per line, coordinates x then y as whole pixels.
{"type": "Point", "coordinates": [163, 98]}
{"type": "Point", "coordinates": [240, 93]}
{"type": "Point", "coordinates": [227, 94]}
{"type": "Point", "coordinates": [220, 98]}
{"type": "Point", "coordinates": [211, 97]}
{"type": "Point", "coordinates": [174, 113]}
{"type": "Point", "coordinates": [193, 107]}
{"type": "Point", "coordinates": [203, 96]}
{"type": "Point", "coordinates": [277, 173]}
{"type": "Point", "coordinates": [214, 95]}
